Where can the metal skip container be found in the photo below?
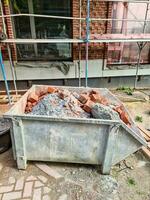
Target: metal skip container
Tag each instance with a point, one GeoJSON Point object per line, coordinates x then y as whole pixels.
{"type": "Point", "coordinates": [72, 140]}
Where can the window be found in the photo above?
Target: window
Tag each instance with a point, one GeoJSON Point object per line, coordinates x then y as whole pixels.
{"type": "Point", "coordinates": [128, 52]}
{"type": "Point", "coordinates": [43, 28]}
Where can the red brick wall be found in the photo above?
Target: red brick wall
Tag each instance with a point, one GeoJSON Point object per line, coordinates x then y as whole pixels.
{"type": "Point", "coordinates": [8, 22]}
{"type": "Point", "coordinates": [97, 10]}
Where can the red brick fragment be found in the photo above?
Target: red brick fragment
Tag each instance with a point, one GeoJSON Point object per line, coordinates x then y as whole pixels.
{"type": "Point", "coordinates": [104, 102]}
{"type": "Point", "coordinates": [123, 115]}
{"type": "Point", "coordinates": [63, 93]}
{"type": "Point", "coordinates": [124, 118]}
{"type": "Point", "coordinates": [93, 92]}
{"type": "Point", "coordinates": [83, 98]}
{"type": "Point", "coordinates": [32, 97]}
{"type": "Point", "coordinates": [88, 106]}
{"type": "Point", "coordinates": [51, 90]}
{"type": "Point", "coordinates": [96, 98]}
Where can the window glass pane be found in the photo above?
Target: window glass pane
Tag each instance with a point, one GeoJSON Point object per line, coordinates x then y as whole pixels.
{"type": "Point", "coordinates": [43, 28]}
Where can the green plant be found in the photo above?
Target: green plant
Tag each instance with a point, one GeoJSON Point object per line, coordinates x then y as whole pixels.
{"type": "Point", "coordinates": [127, 90]}
{"type": "Point", "coordinates": [138, 119]}
{"type": "Point", "coordinates": [131, 181]}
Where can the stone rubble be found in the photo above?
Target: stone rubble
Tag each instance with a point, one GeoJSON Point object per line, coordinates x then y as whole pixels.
{"type": "Point", "coordinates": [63, 103]}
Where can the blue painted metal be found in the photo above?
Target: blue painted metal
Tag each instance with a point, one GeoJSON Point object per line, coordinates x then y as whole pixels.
{"type": "Point", "coordinates": [87, 41]}
{"type": "Point", "coordinates": [4, 76]}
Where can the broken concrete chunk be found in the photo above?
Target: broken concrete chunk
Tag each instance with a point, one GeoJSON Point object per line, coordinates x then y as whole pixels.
{"type": "Point", "coordinates": [100, 111]}
{"type": "Point", "coordinates": [50, 171]}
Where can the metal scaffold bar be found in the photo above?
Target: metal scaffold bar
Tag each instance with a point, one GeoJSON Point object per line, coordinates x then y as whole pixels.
{"type": "Point", "coordinates": [87, 42]}
{"type": "Point", "coordinates": [4, 77]}
{"type": "Point", "coordinates": [9, 50]}
{"type": "Point", "coordinates": [42, 41]}
{"type": "Point", "coordinates": [73, 18]}
{"type": "Point", "coordinates": [126, 1]}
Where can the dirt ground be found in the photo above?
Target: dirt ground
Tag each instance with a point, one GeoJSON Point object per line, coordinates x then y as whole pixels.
{"type": "Point", "coordinates": [129, 180]}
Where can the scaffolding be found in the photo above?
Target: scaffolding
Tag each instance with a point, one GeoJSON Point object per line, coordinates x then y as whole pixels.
{"type": "Point", "coordinates": [140, 39]}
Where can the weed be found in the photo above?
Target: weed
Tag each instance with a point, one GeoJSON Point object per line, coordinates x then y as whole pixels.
{"type": "Point", "coordinates": [127, 90]}
{"type": "Point", "coordinates": [138, 119]}
{"type": "Point", "coordinates": [131, 181]}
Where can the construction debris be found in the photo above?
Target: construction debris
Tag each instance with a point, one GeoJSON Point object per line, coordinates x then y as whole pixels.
{"type": "Point", "coordinates": [100, 111]}
{"type": "Point", "coordinates": [64, 103]}
{"type": "Point", "coordinates": [146, 135]}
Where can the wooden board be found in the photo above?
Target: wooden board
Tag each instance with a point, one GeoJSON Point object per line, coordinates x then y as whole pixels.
{"type": "Point", "coordinates": [145, 133]}
{"type": "Point", "coordinates": [146, 152]}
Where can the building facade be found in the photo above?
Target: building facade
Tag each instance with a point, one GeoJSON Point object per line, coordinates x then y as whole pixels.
{"type": "Point", "coordinates": [61, 60]}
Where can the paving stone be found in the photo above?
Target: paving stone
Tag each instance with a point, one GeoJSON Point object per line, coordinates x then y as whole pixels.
{"type": "Point", "coordinates": [28, 189]}
{"type": "Point", "coordinates": [46, 190]}
{"type": "Point", "coordinates": [12, 195]}
{"type": "Point", "coordinates": [38, 184]}
{"type": "Point", "coordinates": [25, 199]}
{"type": "Point", "coordinates": [1, 166]}
{"type": "Point", "coordinates": [63, 197]}
{"type": "Point", "coordinates": [19, 184]}
{"type": "Point", "coordinates": [31, 178]}
{"type": "Point", "coordinates": [11, 180]}
{"type": "Point", "coordinates": [4, 189]}
{"type": "Point", "coordinates": [46, 197]}
{"type": "Point", "coordinates": [37, 194]}
{"type": "Point", "coordinates": [43, 179]}
{"type": "Point", "coordinates": [51, 172]}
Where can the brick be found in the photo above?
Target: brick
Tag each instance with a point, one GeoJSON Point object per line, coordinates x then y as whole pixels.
{"type": "Point", "coordinates": [19, 184]}
{"type": "Point", "coordinates": [28, 189]}
{"type": "Point", "coordinates": [124, 118]}
{"type": "Point", "coordinates": [11, 180]}
{"type": "Point", "coordinates": [51, 90]}
{"type": "Point", "coordinates": [64, 93]}
{"type": "Point", "coordinates": [4, 189]}
{"type": "Point", "coordinates": [1, 166]}
{"type": "Point", "coordinates": [42, 178]}
{"type": "Point", "coordinates": [51, 172]}
{"type": "Point", "coordinates": [104, 101]}
{"type": "Point", "coordinates": [123, 115]}
{"type": "Point", "coordinates": [63, 197]}
{"type": "Point", "coordinates": [88, 106]}
{"type": "Point", "coordinates": [31, 178]}
{"type": "Point", "coordinates": [96, 98]}
{"type": "Point", "coordinates": [38, 184]}
{"type": "Point", "coordinates": [32, 97]}
{"type": "Point", "coordinates": [46, 190]}
{"type": "Point", "coordinates": [46, 197]}
{"type": "Point", "coordinates": [12, 196]}
{"type": "Point", "coordinates": [37, 194]}
{"type": "Point", "coordinates": [83, 98]}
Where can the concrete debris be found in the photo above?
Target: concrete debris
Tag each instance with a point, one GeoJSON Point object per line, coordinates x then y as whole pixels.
{"type": "Point", "coordinates": [53, 105]}
{"type": "Point", "coordinates": [50, 171]}
{"type": "Point", "coordinates": [100, 111]}
{"type": "Point", "coordinates": [64, 103]}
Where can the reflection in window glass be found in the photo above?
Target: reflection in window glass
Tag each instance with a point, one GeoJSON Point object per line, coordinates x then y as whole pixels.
{"type": "Point", "coordinates": [43, 28]}
{"type": "Point", "coordinates": [128, 52]}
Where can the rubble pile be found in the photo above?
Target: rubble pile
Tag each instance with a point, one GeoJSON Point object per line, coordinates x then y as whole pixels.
{"type": "Point", "coordinates": [63, 103]}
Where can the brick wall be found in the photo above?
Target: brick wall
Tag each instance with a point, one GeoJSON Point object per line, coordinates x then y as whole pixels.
{"type": "Point", "coordinates": [9, 27]}
{"type": "Point", "coordinates": [97, 10]}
